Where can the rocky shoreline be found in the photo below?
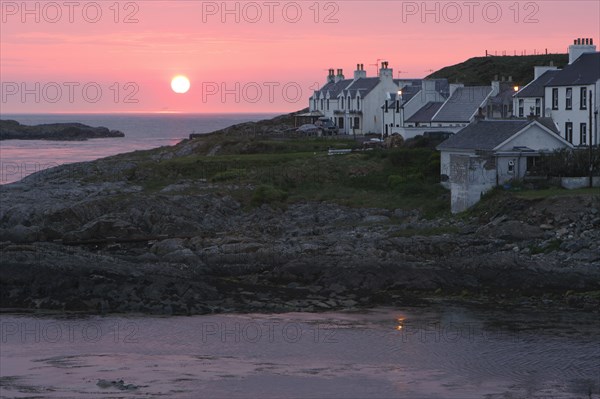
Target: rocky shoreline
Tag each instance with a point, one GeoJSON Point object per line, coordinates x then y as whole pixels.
{"type": "Point", "coordinates": [67, 244]}
{"type": "Point", "coordinates": [13, 130]}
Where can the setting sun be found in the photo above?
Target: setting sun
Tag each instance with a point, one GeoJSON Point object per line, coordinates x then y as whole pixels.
{"type": "Point", "coordinates": [180, 84]}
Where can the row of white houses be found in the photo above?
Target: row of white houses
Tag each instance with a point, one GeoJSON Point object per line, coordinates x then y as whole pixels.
{"type": "Point", "coordinates": [412, 107]}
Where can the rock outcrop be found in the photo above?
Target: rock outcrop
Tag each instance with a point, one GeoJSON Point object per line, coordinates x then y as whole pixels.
{"type": "Point", "coordinates": [13, 130]}
{"type": "Point", "coordinates": [113, 247]}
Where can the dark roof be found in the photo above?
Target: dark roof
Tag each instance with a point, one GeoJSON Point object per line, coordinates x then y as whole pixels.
{"type": "Point", "coordinates": [484, 135]}
{"type": "Point", "coordinates": [362, 85]}
{"type": "Point", "coordinates": [426, 112]}
{"type": "Point", "coordinates": [584, 70]}
{"type": "Point", "coordinates": [549, 123]}
{"type": "Point", "coordinates": [408, 92]}
{"type": "Point", "coordinates": [334, 88]}
{"type": "Point", "coordinates": [462, 104]}
{"type": "Point", "coordinates": [488, 134]}
{"type": "Point", "coordinates": [536, 87]}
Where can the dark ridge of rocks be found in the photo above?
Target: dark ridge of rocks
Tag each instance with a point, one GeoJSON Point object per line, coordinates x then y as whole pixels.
{"type": "Point", "coordinates": [13, 130]}
{"type": "Point", "coordinates": [174, 253]}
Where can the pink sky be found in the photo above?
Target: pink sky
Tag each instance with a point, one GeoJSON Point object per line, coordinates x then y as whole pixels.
{"type": "Point", "coordinates": [276, 49]}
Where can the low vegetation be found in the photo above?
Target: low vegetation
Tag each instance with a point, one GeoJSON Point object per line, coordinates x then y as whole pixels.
{"type": "Point", "coordinates": [258, 170]}
{"type": "Point", "coordinates": [482, 70]}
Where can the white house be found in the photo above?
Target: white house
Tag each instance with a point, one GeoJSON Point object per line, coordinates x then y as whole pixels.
{"type": "Point", "coordinates": [412, 96]}
{"type": "Point", "coordinates": [567, 95]}
{"type": "Point", "coordinates": [354, 104]}
{"type": "Point", "coordinates": [451, 115]}
{"type": "Point", "coordinates": [488, 153]}
{"type": "Point", "coordinates": [530, 99]}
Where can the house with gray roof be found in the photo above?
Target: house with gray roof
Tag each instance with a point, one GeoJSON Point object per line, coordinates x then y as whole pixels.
{"type": "Point", "coordinates": [572, 95]}
{"type": "Point", "coordinates": [411, 98]}
{"type": "Point", "coordinates": [354, 104]}
{"type": "Point", "coordinates": [487, 153]}
{"type": "Point", "coordinates": [462, 106]}
{"type": "Point", "coordinates": [530, 99]}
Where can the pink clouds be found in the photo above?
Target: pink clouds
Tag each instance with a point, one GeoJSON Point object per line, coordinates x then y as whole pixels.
{"type": "Point", "coordinates": [257, 61]}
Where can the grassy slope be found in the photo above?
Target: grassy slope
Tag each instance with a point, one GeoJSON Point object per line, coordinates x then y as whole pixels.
{"type": "Point", "coordinates": [258, 170]}
{"type": "Point", "coordinates": [481, 70]}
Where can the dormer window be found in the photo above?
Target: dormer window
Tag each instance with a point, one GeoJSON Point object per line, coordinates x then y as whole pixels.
{"type": "Point", "coordinates": [349, 102]}
{"type": "Point", "coordinates": [358, 103]}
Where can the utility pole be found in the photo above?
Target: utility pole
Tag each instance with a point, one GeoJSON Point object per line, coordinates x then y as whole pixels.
{"type": "Point", "coordinates": [590, 130]}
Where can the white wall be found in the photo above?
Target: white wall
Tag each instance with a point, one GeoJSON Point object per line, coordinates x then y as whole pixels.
{"type": "Point", "coordinates": [574, 115]}
{"type": "Point", "coordinates": [535, 138]}
{"type": "Point", "coordinates": [470, 178]}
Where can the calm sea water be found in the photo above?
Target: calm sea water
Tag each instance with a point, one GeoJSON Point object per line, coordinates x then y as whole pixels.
{"type": "Point", "coordinates": [19, 158]}
{"type": "Point", "coordinates": [383, 353]}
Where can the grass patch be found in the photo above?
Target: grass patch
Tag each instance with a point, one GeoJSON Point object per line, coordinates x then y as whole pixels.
{"type": "Point", "coordinates": [290, 170]}
{"type": "Point", "coordinates": [551, 246]}
{"type": "Point", "coordinates": [556, 192]}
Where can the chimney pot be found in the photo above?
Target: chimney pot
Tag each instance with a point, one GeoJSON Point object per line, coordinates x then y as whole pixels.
{"type": "Point", "coordinates": [574, 41]}
{"type": "Point", "coordinates": [591, 40]}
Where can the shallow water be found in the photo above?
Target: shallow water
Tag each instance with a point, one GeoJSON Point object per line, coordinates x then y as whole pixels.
{"type": "Point", "coordinates": [20, 158]}
{"type": "Point", "coordinates": [382, 353]}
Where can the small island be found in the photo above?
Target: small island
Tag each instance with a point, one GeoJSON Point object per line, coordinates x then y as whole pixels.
{"type": "Point", "coordinates": [13, 130]}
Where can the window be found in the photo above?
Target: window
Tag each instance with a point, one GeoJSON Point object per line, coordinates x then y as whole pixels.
{"type": "Point", "coordinates": [341, 122]}
{"type": "Point", "coordinates": [327, 104]}
{"type": "Point", "coordinates": [356, 122]}
{"type": "Point", "coordinates": [569, 98]}
{"type": "Point", "coordinates": [538, 106]}
{"type": "Point", "coordinates": [555, 98]}
{"type": "Point", "coordinates": [582, 134]}
{"type": "Point", "coordinates": [521, 106]}
{"type": "Point", "coordinates": [511, 166]}
{"type": "Point", "coordinates": [348, 102]}
{"type": "Point", "coordinates": [341, 103]}
{"type": "Point", "coordinates": [314, 103]}
{"type": "Point", "coordinates": [321, 104]}
{"type": "Point", "coordinates": [358, 103]}
{"type": "Point", "coordinates": [569, 131]}
{"type": "Point", "coordinates": [583, 98]}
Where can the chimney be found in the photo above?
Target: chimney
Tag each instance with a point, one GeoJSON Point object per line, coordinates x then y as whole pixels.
{"type": "Point", "coordinates": [386, 73]}
{"type": "Point", "coordinates": [496, 87]}
{"type": "Point", "coordinates": [330, 76]}
{"type": "Point", "coordinates": [581, 46]}
{"type": "Point", "coordinates": [360, 72]}
{"type": "Point", "coordinates": [540, 70]}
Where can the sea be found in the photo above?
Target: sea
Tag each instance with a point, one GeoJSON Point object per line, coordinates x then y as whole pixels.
{"type": "Point", "coordinates": [429, 352]}
{"type": "Point", "coordinates": [20, 158]}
